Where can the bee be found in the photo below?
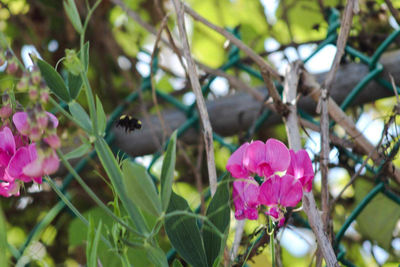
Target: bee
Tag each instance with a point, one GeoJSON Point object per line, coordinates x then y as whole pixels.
{"type": "Point", "coordinates": [129, 123]}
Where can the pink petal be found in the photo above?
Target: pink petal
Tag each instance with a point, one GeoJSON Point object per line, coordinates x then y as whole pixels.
{"type": "Point", "coordinates": [20, 159]}
{"type": "Point", "coordinates": [34, 169]}
{"type": "Point", "coordinates": [277, 155]}
{"type": "Point", "coordinates": [9, 189]}
{"type": "Point", "coordinates": [51, 164]}
{"type": "Point", "coordinates": [7, 146]}
{"type": "Point", "coordinates": [301, 168]}
{"type": "Point", "coordinates": [235, 163]}
{"type": "Point", "coordinates": [245, 199]}
{"type": "Point", "coordinates": [54, 141]}
{"type": "Point", "coordinates": [290, 192]}
{"type": "Point", "coordinates": [254, 159]}
{"type": "Point", "coordinates": [53, 119]}
{"type": "Point", "coordinates": [269, 191]}
{"type": "Point", "coordinates": [20, 120]}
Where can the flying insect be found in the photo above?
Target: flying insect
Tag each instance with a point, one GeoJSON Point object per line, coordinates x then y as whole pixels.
{"type": "Point", "coordinates": [129, 123]}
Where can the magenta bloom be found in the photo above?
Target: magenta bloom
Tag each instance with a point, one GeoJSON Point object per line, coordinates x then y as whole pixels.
{"type": "Point", "coordinates": [9, 189]}
{"type": "Point", "coordinates": [277, 215]}
{"type": "Point", "coordinates": [266, 159]}
{"type": "Point", "coordinates": [235, 163]}
{"type": "Point", "coordinates": [23, 126]}
{"type": "Point", "coordinates": [245, 198]}
{"type": "Point", "coordinates": [284, 191]}
{"type": "Point", "coordinates": [7, 149]}
{"type": "Point", "coordinates": [22, 158]}
{"type": "Point", "coordinates": [301, 168]}
{"type": "Point", "coordinates": [42, 165]}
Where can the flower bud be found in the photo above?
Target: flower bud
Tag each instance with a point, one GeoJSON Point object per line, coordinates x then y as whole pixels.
{"type": "Point", "coordinates": [5, 111]}
{"type": "Point", "coordinates": [12, 66]}
{"type": "Point", "coordinates": [53, 140]}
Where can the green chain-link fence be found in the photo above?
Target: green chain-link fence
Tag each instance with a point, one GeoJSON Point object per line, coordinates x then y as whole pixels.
{"type": "Point", "coordinates": [234, 61]}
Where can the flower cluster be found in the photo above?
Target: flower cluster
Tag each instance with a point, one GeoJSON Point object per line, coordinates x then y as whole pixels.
{"type": "Point", "coordinates": [28, 139]}
{"type": "Point", "coordinates": [285, 174]}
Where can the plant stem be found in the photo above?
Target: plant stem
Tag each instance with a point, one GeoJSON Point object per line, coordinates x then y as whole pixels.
{"type": "Point", "coordinates": [93, 195]}
{"type": "Point", "coordinates": [272, 243]}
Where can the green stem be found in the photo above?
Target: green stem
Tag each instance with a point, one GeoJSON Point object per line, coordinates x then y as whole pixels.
{"type": "Point", "coordinates": [272, 244]}
{"type": "Point", "coordinates": [93, 195]}
{"type": "Point", "coordinates": [88, 89]}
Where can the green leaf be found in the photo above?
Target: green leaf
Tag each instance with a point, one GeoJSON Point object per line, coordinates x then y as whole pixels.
{"type": "Point", "coordinates": [167, 171]}
{"type": "Point", "coordinates": [3, 240]}
{"type": "Point", "coordinates": [54, 80]}
{"type": "Point", "coordinates": [80, 115]}
{"type": "Point", "coordinates": [184, 234]}
{"type": "Point", "coordinates": [218, 213]}
{"type": "Point", "coordinates": [378, 220]}
{"type": "Point", "coordinates": [177, 263]}
{"type": "Point", "coordinates": [157, 256]}
{"type": "Point", "coordinates": [94, 246]}
{"type": "Point", "coordinates": [89, 238]}
{"type": "Point", "coordinates": [101, 117]}
{"type": "Point", "coordinates": [113, 171]}
{"type": "Point", "coordinates": [74, 85]}
{"type": "Point", "coordinates": [73, 15]}
{"type": "Point", "coordinates": [140, 187]}
{"type": "Point", "coordinates": [78, 152]}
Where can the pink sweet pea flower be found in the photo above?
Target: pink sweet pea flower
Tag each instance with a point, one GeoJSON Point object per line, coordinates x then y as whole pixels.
{"type": "Point", "coordinates": [245, 198]}
{"type": "Point", "coordinates": [266, 159]}
{"type": "Point", "coordinates": [301, 168]}
{"type": "Point", "coordinates": [22, 158]}
{"type": "Point", "coordinates": [42, 165]}
{"type": "Point", "coordinates": [284, 191]}
{"type": "Point", "coordinates": [235, 163]}
{"type": "Point", "coordinates": [9, 189]}
{"type": "Point", "coordinates": [20, 120]}
{"type": "Point", "coordinates": [7, 147]}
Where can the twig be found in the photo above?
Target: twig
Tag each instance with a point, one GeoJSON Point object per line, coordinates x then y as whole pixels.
{"type": "Point", "coordinates": [197, 175]}
{"type": "Point", "coordinates": [393, 10]}
{"type": "Point", "coordinates": [203, 113]}
{"type": "Point", "coordinates": [293, 132]}
{"type": "Point", "coordinates": [153, 89]}
{"type": "Point", "coordinates": [340, 117]}
{"type": "Point", "coordinates": [238, 237]}
{"type": "Point", "coordinates": [325, 148]}
{"type": "Point", "coordinates": [247, 50]}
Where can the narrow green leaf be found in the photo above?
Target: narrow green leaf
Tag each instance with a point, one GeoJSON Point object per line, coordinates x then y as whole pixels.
{"type": "Point", "coordinates": [113, 171]}
{"type": "Point", "coordinates": [80, 116]}
{"type": "Point", "coordinates": [177, 263]}
{"type": "Point", "coordinates": [218, 213]}
{"type": "Point", "coordinates": [94, 247]}
{"type": "Point", "coordinates": [140, 187]}
{"type": "Point", "coordinates": [54, 80]}
{"type": "Point", "coordinates": [74, 85]}
{"type": "Point", "coordinates": [3, 240]}
{"type": "Point", "coordinates": [157, 256]}
{"type": "Point", "coordinates": [73, 15]}
{"type": "Point", "coordinates": [184, 234]}
{"type": "Point", "coordinates": [89, 239]}
{"type": "Point", "coordinates": [101, 117]}
{"type": "Point", "coordinates": [167, 171]}
{"type": "Point", "coordinates": [78, 152]}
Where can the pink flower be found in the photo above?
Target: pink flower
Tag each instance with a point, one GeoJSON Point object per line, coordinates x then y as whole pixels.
{"type": "Point", "coordinates": [8, 189]}
{"type": "Point", "coordinates": [20, 120]}
{"type": "Point", "coordinates": [235, 163]}
{"type": "Point", "coordinates": [284, 191]}
{"type": "Point", "coordinates": [5, 111]}
{"type": "Point", "coordinates": [53, 141]}
{"type": "Point", "coordinates": [301, 168]}
{"type": "Point", "coordinates": [245, 198]}
{"type": "Point", "coordinates": [266, 159]}
{"type": "Point", "coordinates": [42, 165]}
{"type": "Point", "coordinates": [22, 158]}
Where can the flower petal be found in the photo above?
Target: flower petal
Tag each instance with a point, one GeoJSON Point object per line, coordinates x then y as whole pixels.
{"type": "Point", "coordinates": [20, 159]}
{"type": "Point", "coordinates": [7, 146]}
{"type": "Point", "coordinates": [235, 163]}
{"type": "Point", "coordinates": [301, 168]}
{"type": "Point", "coordinates": [290, 192]}
{"type": "Point", "coordinates": [254, 158]}
{"type": "Point", "coordinates": [53, 119]}
{"type": "Point", "coordinates": [245, 198]}
{"type": "Point", "coordinates": [269, 191]}
{"type": "Point", "coordinates": [51, 164]}
{"type": "Point", "coordinates": [20, 120]}
{"type": "Point", "coordinates": [277, 155]}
